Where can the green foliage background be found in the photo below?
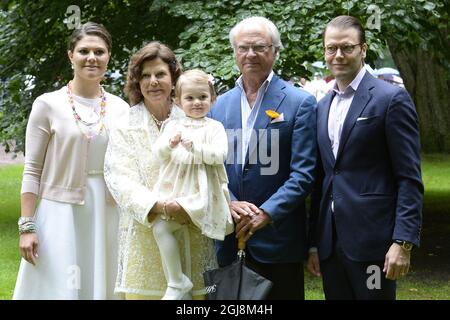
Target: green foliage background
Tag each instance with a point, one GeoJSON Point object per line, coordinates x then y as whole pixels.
{"type": "Point", "coordinates": [34, 35]}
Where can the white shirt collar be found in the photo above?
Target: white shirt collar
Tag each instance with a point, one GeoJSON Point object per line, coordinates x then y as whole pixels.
{"type": "Point", "coordinates": [266, 82]}
{"type": "Point", "coordinates": [354, 84]}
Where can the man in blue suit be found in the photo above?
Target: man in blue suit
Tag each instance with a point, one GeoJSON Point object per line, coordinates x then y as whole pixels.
{"type": "Point", "coordinates": [370, 187]}
{"type": "Point", "coordinates": [271, 128]}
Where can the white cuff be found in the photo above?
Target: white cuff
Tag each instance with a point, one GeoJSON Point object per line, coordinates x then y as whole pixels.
{"type": "Point", "coordinates": [312, 250]}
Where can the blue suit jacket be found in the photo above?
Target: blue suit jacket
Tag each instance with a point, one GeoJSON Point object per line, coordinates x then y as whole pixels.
{"type": "Point", "coordinates": [375, 180]}
{"type": "Point", "coordinates": [280, 193]}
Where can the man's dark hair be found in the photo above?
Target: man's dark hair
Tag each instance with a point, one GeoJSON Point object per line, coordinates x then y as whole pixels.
{"type": "Point", "coordinates": [346, 22]}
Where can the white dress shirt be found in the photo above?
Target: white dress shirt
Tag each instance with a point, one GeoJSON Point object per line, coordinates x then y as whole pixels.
{"type": "Point", "coordinates": [249, 113]}
{"type": "Point", "coordinates": [338, 112]}
{"type": "Point", "coordinates": [339, 109]}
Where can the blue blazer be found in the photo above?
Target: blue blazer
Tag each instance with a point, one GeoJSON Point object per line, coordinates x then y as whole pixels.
{"type": "Point", "coordinates": [280, 193]}
{"type": "Point", "coordinates": [375, 180]}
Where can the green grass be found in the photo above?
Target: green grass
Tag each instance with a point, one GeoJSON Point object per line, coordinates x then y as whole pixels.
{"type": "Point", "coordinates": [429, 278]}
{"type": "Point", "coordinates": [436, 176]}
{"type": "Point", "coordinates": [10, 181]}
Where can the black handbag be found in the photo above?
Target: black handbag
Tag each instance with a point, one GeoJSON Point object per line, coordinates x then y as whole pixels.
{"type": "Point", "coordinates": [236, 281]}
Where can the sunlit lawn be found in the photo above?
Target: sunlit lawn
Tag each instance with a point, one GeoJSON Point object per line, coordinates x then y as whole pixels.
{"type": "Point", "coordinates": [430, 273]}
{"type": "Point", "coordinates": [10, 179]}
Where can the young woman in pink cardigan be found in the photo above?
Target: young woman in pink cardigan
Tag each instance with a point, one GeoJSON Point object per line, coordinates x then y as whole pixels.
{"type": "Point", "coordinates": [68, 242]}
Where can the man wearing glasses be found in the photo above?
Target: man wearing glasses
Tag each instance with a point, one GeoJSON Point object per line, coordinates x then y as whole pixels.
{"type": "Point", "coordinates": [272, 155]}
{"type": "Point", "coordinates": [369, 182]}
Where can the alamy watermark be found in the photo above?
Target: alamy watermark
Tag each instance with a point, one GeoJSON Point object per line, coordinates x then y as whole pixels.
{"type": "Point", "coordinates": [73, 281]}
{"type": "Point", "coordinates": [374, 20]}
{"type": "Point", "coordinates": [374, 280]}
{"type": "Point", "coordinates": [73, 21]}
{"type": "Point", "coordinates": [263, 149]}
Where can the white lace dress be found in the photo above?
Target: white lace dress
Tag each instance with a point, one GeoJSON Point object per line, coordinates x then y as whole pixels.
{"type": "Point", "coordinates": [77, 243]}
{"type": "Point", "coordinates": [131, 170]}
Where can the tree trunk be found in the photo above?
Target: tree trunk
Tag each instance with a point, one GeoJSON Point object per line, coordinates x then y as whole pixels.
{"type": "Point", "coordinates": [428, 83]}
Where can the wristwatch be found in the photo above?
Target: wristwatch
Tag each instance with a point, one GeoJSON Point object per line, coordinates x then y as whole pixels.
{"type": "Point", "coordinates": [404, 244]}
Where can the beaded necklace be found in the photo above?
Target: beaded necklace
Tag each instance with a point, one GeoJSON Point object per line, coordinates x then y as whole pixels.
{"type": "Point", "coordinates": [159, 122]}
{"type": "Point", "coordinates": [90, 125]}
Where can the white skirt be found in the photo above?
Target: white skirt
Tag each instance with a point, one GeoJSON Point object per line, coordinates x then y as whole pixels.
{"type": "Point", "coordinates": [77, 249]}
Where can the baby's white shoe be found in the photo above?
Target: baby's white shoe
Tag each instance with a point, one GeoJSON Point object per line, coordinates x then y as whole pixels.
{"type": "Point", "coordinates": [178, 291]}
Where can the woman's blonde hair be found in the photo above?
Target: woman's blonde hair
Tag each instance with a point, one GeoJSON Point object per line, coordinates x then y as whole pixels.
{"type": "Point", "coordinates": [196, 76]}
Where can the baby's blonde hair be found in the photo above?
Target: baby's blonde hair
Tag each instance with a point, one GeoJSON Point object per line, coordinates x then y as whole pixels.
{"type": "Point", "coordinates": [197, 76]}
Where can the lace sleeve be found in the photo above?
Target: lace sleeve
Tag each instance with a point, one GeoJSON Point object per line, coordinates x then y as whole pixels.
{"type": "Point", "coordinates": [161, 149]}
{"type": "Point", "coordinates": [122, 176]}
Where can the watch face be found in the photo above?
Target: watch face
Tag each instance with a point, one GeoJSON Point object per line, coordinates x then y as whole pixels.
{"type": "Point", "coordinates": [407, 245]}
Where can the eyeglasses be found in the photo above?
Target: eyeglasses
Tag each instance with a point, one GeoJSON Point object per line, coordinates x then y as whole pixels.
{"type": "Point", "coordinates": [345, 48]}
{"type": "Point", "coordinates": [259, 48]}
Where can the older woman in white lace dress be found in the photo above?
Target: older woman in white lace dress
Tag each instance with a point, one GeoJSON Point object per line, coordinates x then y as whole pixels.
{"type": "Point", "coordinates": [131, 170]}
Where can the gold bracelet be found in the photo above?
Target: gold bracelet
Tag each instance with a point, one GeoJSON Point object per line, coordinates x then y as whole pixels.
{"type": "Point", "coordinates": [164, 215]}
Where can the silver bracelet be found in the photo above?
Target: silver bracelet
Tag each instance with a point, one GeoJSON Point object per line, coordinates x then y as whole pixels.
{"type": "Point", "coordinates": [27, 227]}
{"type": "Point", "coordinates": [23, 220]}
